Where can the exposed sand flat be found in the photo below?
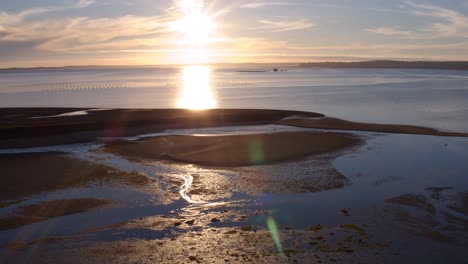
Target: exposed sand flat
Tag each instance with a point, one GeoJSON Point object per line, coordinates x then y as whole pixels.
{"type": "Point", "coordinates": [19, 129]}
{"type": "Point", "coordinates": [40, 212]}
{"type": "Point", "coordinates": [332, 244]}
{"type": "Point", "coordinates": [52, 171]}
{"type": "Point", "coordinates": [234, 150]}
{"type": "Point", "coordinates": [339, 124]}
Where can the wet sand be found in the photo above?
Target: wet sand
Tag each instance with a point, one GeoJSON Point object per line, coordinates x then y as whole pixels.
{"type": "Point", "coordinates": [20, 127]}
{"type": "Point", "coordinates": [331, 244]}
{"type": "Point", "coordinates": [234, 150]}
{"type": "Point", "coordinates": [230, 168]}
{"type": "Point", "coordinates": [339, 124]}
{"type": "Point", "coordinates": [19, 130]}
{"type": "Point", "coordinates": [32, 173]}
{"type": "Point", "coordinates": [29, 214]}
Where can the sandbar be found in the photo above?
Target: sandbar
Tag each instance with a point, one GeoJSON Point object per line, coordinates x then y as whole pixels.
{"type": "Point", "coordinates": [339, 124]}
{"type": "Point", "coordinates": [234, 150]}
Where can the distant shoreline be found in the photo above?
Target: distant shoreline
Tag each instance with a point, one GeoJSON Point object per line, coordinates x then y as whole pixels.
{"type": "Point", "coordinates": [390, 64]}
{"type": "Point", "coordinates": [371, 64]}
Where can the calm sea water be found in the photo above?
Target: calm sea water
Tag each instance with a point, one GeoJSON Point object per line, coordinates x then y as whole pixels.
{"type": "Point", "coordinates": [435, 98]}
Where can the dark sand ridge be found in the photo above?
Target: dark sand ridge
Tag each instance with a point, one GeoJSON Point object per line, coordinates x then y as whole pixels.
{"type": "Point", "coordinates": [53, 171]}
{"type": "Point", "coordinates": [339, 124]}
{"type": "Point", "coordinates": [234, 150]}
{"type": "Point", "coordinates": [18, 129]}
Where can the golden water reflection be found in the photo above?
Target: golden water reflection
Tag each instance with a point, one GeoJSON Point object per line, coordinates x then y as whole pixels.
{"type": "Point", "coordinates": [196, 91]}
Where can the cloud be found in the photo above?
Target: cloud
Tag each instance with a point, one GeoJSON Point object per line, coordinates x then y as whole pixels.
{"type": "Point", "coordinates": [284, 25]}
{"type": "Point", "coordinates": [14, 18]}
{"type": "Point", "coordinates": [450, 23]}
{"type": "Point", "coordinates": [253, 5]}
{"type": "Point", "coordinates": [84, 3]}
{"type": "Point", "coordinates": [389, 31]}
{"type": "Point", "coordinates": [17, 49]}
{"type": "Point", "coordinates": [395, 32]}
{"type": "Point", "coordinates": [73, 34]}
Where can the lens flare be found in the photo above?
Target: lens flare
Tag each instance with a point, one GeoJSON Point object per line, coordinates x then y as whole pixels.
{"type": "Point", "coordinates": [274, 231]}
{"type": "Point", "coordinates": [256, 152]}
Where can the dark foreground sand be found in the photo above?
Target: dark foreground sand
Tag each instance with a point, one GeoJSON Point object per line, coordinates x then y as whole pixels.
{"type": "Point", "coordinates": [29, 214]}
{"type": "Point", "coordinates": [234, 150]}
{"type": "Point", "coordinates": [33, 173]}
{"type": "Point", "coordinates": [19, 128]}
{"type": "Point", "coordinates": [206, 233]}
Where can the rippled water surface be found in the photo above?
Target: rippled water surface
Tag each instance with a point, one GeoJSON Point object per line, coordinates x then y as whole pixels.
{"type": "Point", "coordinates": [435, 98]}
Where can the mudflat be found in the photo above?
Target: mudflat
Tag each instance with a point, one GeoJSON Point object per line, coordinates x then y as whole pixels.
{"type": "Point", "coordinates": [339, 124]}
{"type": "Point", "coordinates": [34, 127]}
{"type": "Point", "coordinates": [29, 214]}
{"type": "Point", "coordinates": [50, 171]}
{"type": "Point", "coordinates": [234, 150]}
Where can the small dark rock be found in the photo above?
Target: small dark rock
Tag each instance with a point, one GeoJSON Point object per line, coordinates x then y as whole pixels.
{"type": "Point", "coordinates": [213, 220]}
{"type": "Point", "coordinates": [246, 228]}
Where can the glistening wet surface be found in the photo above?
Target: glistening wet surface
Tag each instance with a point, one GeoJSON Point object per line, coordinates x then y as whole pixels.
{"type": "Point", "coordinates": [403, 191]}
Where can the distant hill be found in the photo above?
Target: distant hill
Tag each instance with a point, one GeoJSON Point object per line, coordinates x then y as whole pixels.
{"type": "Point", "coordinates": [390, 64]}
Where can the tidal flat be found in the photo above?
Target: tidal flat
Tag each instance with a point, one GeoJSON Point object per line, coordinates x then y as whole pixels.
{"type": "Point", "coordinates": [216, 189]}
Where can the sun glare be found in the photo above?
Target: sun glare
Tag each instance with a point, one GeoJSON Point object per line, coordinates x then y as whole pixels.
{"type": "Point", "coordinates": [196, 91]}
{"type": "Point", "coordinates": [196, 25]}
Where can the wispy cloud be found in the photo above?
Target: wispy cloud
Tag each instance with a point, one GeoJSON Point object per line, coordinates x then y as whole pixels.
{"type": "Point", "coordinates": [85, 33]}
{"type": "Point", "coordinates": [282, 25]}
{"type": "Point", "coordinates": [13, 18]}
{"type": "Point", "coordinates": [253, 5]}
{"type": "Point", "coordinates": [84, 3]}
{"type": "Point", "coordinates": [395, 32]}
{"type": "Point", "coordinates": [450, 22]}
{"type": "Point", "coordinates": [390, 31]}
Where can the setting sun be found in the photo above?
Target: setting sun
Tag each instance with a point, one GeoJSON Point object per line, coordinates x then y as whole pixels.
{"type": "Point", "coordinates": [196, 25]}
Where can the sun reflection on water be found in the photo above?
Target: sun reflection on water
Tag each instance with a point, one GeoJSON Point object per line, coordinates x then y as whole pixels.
{"type": "Point", "coordinates": [196, 91]}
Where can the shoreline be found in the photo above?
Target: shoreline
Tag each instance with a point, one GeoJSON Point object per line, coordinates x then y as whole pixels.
{"type": "Point", "coordinates": [18, 128]}
{"type": "Point", "coordinates": [38, 127]}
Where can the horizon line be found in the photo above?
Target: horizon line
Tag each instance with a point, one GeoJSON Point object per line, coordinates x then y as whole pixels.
{"type": "Point", "coordinates": [272, 64]}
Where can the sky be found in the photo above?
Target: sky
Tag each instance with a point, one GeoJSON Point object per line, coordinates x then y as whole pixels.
{"type": "Point", "coordinates": [154, 32]}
